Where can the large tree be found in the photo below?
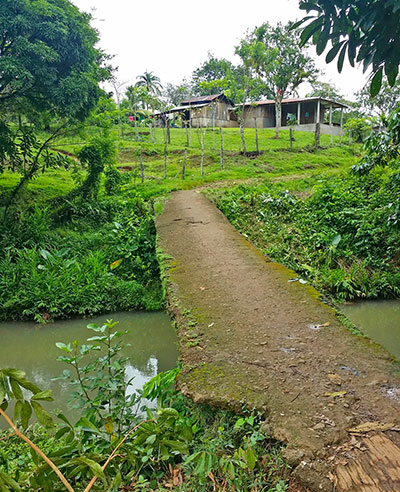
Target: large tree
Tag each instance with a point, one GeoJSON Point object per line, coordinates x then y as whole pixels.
{"type": "Point", "coordinates": [367, 30]}
{"type": "Point", "coordinates": [47, 57]}
{"type": "Point", "coordinates": [275, 55]}
{"type": "Point", "coordinates": [48, 66]}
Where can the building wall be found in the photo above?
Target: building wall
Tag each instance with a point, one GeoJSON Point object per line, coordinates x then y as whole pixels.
{"type": "Point", "coordinates": [217, 113]}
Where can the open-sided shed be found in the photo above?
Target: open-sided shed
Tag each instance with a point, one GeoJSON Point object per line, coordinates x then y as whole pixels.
{"type": "Point", "coordinates": [306, 112]}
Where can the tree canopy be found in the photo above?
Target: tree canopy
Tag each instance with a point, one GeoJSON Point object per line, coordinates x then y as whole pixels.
{"type": "Point", "coordinates": [274, 54]}
{"type": "Point", "coordinates": [47, 58]}
{"type": "Point", "coordinates": [367, 30]}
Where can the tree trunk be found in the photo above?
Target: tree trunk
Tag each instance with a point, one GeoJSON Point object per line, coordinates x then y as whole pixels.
{"type": "Point", "coordinates": [203, 132]}
{"type": "Point", "coordinates": [190, 131]}
{"type": "Point", "coordinates": [141, 168]}
{"type": "Point", "coordinates": [166, 148]}
{"type": "Point", "coordinates": [213, 124]}
{"type": "Point", "coordinates": [242, 137]}
{"type": "Point", "coordinates": [187, 134]}
{"type": "Point", "coordinates": [317, 134]}
{"type": "Point", "coordinates": [291, 138]}
{"type": "Point", "coordinates": [184, 164]}
{"type": "Point", "coordinates": [168, 132]}
{"type": "Point", "coordinates": [278, 114]}
{"type": "Point", "coordinates": [222, 148]}
{"type": "Point", "coordinates": [256, 130]}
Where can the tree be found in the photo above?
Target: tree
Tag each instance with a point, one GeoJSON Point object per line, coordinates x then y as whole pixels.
{"type": "Point", "coordinates": [205, 78]}
{"type": "Point", "coordinates": [368, 30]}
{"type": "Point", "coordinates": [325, 90]}
{"type": "Point", "coordinates": [48, 66]}
{"type": "Point", "coordinates": [383, 103]}
{"type": "Point", "coordinates": [47, 58]}
{"type": "Point", "coordinates": [275, 55]}
{"type": "Point", "coordinates": [151, 82]}
{"type": "Point", "coordinates": [174, 94]}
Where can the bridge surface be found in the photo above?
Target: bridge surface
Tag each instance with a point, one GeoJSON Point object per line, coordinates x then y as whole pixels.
{"type": "Point", "coordinates": [253, 337]}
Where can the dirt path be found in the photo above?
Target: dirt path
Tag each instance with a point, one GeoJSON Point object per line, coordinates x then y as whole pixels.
{"type": "Point", "coordinates": [256, 339]}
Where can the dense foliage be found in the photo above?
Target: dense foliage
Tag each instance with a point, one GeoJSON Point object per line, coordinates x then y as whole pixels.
{"type": "Point", "coordinates": [82, 257]}
{"type": "Point", "coordinates": [341, 238]}
{"type": "Point", "coordinates": [179, 445]}
{"type": "Point", "coordinates": [368, 30]}
{"type": "Point", "coordinates": [47, 58]}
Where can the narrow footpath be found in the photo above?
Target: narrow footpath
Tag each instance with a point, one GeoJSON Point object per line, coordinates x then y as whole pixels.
{"type": "Point", "coordinates": [252, 337]}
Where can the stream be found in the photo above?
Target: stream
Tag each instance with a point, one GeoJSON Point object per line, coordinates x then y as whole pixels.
{"type": "Point", "coordinates": [379, 320]}
{"type": "Point", "coordinates": [31, 347]}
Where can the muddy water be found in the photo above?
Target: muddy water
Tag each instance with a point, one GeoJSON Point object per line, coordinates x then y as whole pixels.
{"type": "Point", "coordinates": [379, 320]}
{"type": "Point", "coordinates": [31, 347]}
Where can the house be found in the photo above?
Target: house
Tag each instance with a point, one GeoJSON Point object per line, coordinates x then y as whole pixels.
{"type": "Point", "coordinates": [202, 111]}
{"type": "Point", "coordinates": [218, 111]}
{"type": "Point", "coordinates": [305, 111]}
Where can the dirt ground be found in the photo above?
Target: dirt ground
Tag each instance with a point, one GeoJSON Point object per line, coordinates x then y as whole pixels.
{"type": "Point", "coordinates": [251, 336]}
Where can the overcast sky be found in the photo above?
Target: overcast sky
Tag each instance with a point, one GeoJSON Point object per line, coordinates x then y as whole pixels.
{"type": "Point", "coordinates": [172, 37]}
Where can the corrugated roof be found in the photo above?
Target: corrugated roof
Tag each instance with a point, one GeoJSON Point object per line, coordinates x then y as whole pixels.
{"type": "Point", "coordinates": [181, 108]}
{"type": "Point", "coordinates": [209, 98]}
{"type": "Point", "coordinates": [323, 100]}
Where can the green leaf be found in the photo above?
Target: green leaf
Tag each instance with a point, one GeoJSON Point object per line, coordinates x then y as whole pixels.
{"type": "Point", "coordinates": [95, 327]}
{"type": "Point", "coordinates": [43, 395]}
{"type": "Point", "coordinates": [65, 347]}
{"type": "Point", "coordinates": [10, 482]}
{"type": "Point", "coordinates": [26, 414]}
{"type": "Point", "coordinates": [333, 52]}
{"type": "Point", "coordinates": [61, 432]}
{"type": "Point", "coordinates": [16, 389]}
{"type": "Point", "coordinates": [341, 57]}
{"type": "Point", "coordinates": [14, 373]}
{"type": "Point", "coordinates": [94, 467]}
{"type": "Point", "coordinates": [308, 31]}
{"type": "Point", "coordinates": [17, 410]}
{"type": "Point", "coordinates": [151, 439]}
{"type": "Point", "coordinates": [85, 424]}
{"type": "Point", "coordinates": [41, 414]}
{"type": "Point", "coordinates": [2, 391]}
{"type": "Point", "coordinates": [391, 70]}
{"type": "Point", "coordinates": [251, 458]}
{"type": "Point", "coordinates": [179, 446]}
{"type": "Point", "coordinates": [376, 82]}
{"type": "Point", "coordinates": [29, 386]}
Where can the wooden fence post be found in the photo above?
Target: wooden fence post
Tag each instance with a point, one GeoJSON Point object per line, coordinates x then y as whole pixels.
{"type": "Point", "coordinates": [222, 148]}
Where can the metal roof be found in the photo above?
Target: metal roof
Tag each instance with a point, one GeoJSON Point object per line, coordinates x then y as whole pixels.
{"type": "Point", "coordinates": [207, 99]}
{"type": "Point", "coordinates": [323, 100]}
{"type": "Point", "coordinates": [181, 108]}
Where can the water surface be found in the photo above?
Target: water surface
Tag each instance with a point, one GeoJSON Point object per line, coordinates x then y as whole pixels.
{"type": "Point", "coordinates": [31, 347]}
{"type": "Point", "coordinates": [379, 320]}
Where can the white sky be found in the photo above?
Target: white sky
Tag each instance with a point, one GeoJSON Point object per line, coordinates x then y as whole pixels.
{"type": "Point", "coordinates": [172, 37]}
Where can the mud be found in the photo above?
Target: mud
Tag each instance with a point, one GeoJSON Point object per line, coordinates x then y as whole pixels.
{"type": "Point", "coordinates": [251, 337]}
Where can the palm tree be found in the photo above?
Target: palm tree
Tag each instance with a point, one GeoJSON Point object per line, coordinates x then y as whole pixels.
{"type": "Point", "coordinates": [151, 82]}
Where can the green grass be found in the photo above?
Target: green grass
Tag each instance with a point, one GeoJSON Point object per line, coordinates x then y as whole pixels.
{"type": "Point", "coordinates": [275, 160]}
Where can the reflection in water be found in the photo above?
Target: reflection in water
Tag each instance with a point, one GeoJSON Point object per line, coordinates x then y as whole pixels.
{"type": "Point", "coordinates": [31, 347]}
{"type": "Point", "coordinates": [379, 320]}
